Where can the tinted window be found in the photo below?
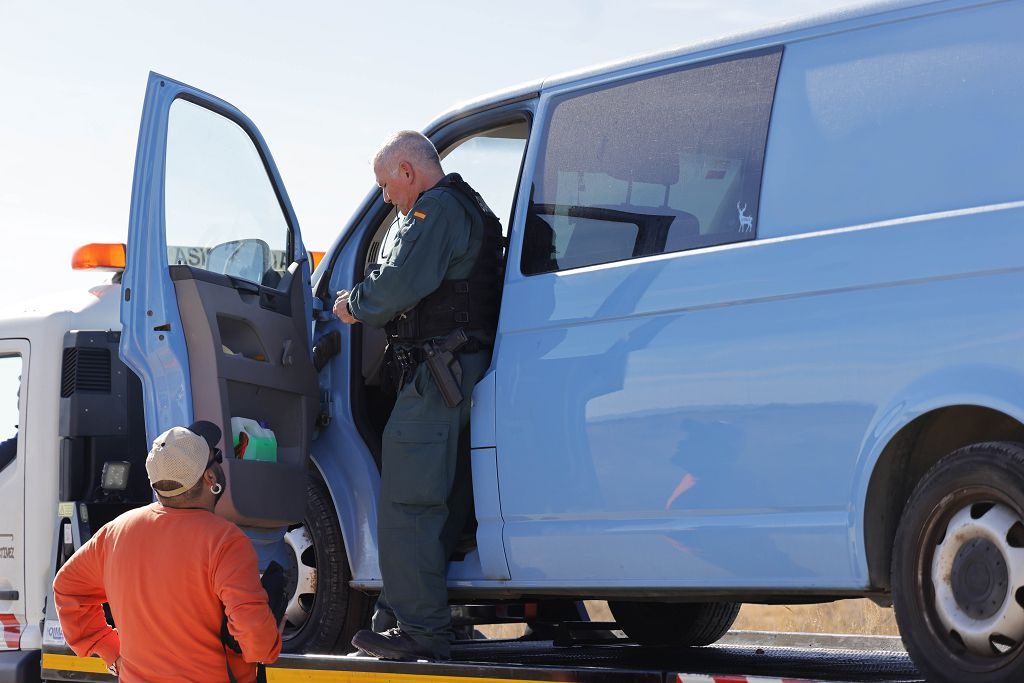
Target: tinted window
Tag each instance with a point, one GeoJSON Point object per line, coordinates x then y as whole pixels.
{"type": "Point", "coordinates": [659, 164]}
{"type": "Point", "coordinates": [10, 393]}
{"type": "Point", "coordinates": [221, 209]}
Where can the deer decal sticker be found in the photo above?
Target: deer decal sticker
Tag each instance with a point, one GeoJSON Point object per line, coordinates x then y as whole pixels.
{"type": "Point", "coordinates": [746, 222]}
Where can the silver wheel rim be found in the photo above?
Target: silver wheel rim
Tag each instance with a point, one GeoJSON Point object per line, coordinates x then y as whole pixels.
{"type": "Point", "coordinates": [300, 603]}
{"type": "Point", "coordinates": [968, 569]}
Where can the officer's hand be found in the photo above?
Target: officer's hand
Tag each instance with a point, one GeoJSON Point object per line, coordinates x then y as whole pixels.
{"type": "Point", "coordinates": [341, 308]}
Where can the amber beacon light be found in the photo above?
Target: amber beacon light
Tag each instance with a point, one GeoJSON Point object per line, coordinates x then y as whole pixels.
{"type": "Point", "coordinates": [99, 257]}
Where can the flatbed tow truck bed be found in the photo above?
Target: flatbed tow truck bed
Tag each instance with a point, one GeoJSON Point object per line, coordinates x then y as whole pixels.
{"type": "Point", "coordinates": [497, 661]}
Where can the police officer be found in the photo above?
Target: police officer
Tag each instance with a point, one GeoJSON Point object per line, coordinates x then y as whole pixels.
{"type": "Point", "coordinates": [442, 279]}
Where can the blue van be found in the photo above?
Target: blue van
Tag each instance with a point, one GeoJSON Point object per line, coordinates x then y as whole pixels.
{"type": "Point", "coordinates": [761, 337]}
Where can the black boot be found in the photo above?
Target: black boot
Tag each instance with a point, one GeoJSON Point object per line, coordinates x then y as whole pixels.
{"type": "Point", "coordinates": [392, 644]}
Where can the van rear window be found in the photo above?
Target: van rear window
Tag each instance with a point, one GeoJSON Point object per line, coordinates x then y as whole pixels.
{"type": "Point", "coordinates": [656, 164]}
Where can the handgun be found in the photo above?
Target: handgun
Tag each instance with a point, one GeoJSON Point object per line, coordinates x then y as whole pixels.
{"type": "Point", "coordinates": [445, 367]}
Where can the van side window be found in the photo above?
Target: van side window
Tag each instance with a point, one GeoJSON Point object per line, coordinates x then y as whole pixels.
{"type": "Point", "coordinates": [222, 212]}
{"type": "Point", "coordinates": [655, 164]}
{"type": "Point", "coordinates": [10, 394]}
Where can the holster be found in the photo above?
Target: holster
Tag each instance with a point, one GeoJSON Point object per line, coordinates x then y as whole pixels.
{"type": "Point", "coordinates": [445, 367]}
{"type": "Point", "coordinates": [441, 359]}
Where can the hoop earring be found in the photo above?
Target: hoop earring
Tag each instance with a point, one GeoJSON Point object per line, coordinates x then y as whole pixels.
{"type": "Point", "coordinates": [216, 489]}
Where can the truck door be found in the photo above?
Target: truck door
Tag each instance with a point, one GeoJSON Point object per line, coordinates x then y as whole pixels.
{"type": "Point", "coordinates": [216, 303]}
{"type": "Point", "coordinates": [13, 360]}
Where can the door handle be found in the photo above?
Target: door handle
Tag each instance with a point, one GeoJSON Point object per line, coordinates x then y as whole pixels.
{"type": "Point", "coordinates": [287, 356]}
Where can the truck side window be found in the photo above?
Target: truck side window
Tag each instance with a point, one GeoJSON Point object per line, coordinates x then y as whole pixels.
{"type": "Point", "coordinates": [10, 394]}
{"type": "Point", "coordinates": [651, 165]}
{"type": "Point", "coordinates": [222, 212]}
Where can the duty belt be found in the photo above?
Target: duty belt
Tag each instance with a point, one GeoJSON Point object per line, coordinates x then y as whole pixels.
{"type": "Point", "coordinates": [409, 353]}
{"type": "Point", "coordinates": [441, 356]}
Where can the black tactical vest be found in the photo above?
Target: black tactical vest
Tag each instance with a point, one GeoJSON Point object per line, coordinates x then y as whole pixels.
{"type": "Point", "coordinates": [472, 303]}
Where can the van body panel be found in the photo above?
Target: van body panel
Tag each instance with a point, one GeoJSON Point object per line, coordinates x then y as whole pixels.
{"type": "Point", "coordinates": [339, 451]}
{"type": "Point", "coordinates": [913, 89]}
{"type": "Point", "coordinates": [483, 433]}
{"type": "Point", "coordinates": [354, 483]}
{"type": "Point", "coordinates": [669, 417]}
{"type": "Point", "coordinates": [634, 412]}
{"type": "Point", "coordinates": [983, 384]}
{"type": "Point", "coordinates": [490, 524]}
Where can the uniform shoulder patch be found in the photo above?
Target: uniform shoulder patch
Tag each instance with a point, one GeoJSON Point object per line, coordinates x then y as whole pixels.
{"type": "Point", "coordinates": [419, 215]}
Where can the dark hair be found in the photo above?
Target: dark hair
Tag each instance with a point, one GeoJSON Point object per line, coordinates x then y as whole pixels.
{"type": "Point", "coordinates": [168, 485]}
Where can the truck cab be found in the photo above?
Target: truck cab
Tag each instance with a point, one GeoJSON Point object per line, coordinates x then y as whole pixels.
{"type": "Point", "coordinates": [72, 419]}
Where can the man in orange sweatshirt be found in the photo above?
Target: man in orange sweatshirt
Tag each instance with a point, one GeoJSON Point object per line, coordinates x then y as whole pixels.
{"type": "Point", "coordinates": [170, 571]}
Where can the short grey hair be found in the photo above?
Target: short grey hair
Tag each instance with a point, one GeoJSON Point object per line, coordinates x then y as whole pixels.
{"type": "Point", "coordinates": [407, 145]}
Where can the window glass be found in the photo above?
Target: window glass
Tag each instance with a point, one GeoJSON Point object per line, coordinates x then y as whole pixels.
{"type": "Point", "coordinates": [653, 165]}
{"type": "Point", "coordinates": [10, 393]}
{"type": "Point", "coordinates": [221, 209]}
{"type": "Point", "coordinates": [490, 162]}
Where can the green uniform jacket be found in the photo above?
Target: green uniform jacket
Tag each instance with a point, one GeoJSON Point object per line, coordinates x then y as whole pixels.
{"type": "Point", "coordinates": [436, 241]}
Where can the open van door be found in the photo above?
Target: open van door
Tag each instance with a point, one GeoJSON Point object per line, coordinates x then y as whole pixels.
{"type": "Point", "coordinates": [216, 304]}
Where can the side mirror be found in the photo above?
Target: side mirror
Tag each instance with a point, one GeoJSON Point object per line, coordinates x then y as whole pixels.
{"type": "Point", "coordinates": [248, 259]}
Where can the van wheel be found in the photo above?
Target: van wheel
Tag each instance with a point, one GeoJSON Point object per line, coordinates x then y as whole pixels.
{"type": "Point", "coordinates": [678, 624]}
{"type": "Point", "coordinates": [958, 567]}
{"type": "Point", "coordinates": [323, 612]}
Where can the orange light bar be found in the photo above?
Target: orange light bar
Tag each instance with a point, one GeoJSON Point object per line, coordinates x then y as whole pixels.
{"type": "Point", "coordinates": [99, 257]}
{"type": "Point", "coordinates": [317, 257]}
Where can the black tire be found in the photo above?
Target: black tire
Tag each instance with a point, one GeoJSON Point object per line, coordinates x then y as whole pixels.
{"type": "Point", "coordinates": [333, 611]}
{"type": "Point", "coordinates": [955, 588]}
{"type": "Point", "coordinates": [677, 624]}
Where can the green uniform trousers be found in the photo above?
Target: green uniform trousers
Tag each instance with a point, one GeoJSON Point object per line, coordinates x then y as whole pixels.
{"type": "Point", "coordinates": [425, 500]}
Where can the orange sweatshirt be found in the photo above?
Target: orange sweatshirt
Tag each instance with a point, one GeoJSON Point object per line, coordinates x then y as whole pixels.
{"type": "Point", "coordinates": [169, 575]}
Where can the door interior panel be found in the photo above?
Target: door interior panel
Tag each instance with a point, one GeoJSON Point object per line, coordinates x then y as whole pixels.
{"type": "Point", "coordinates": [249, 357]}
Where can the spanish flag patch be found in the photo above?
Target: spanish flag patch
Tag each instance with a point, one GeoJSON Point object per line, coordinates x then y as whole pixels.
{"type": "Point", "coordinates": [419, 215]}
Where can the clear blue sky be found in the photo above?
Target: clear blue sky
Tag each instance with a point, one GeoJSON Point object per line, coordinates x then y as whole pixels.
{"type": "Point", "coordinates": [324, 81]}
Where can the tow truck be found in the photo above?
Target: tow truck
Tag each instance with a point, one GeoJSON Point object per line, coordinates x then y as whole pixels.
{"type": "Point", "coordinates": [575, 650]}
{"type": "Point", "coordinates": [584, 651]}
{"type": "Point", "coordinates": [740, 657]}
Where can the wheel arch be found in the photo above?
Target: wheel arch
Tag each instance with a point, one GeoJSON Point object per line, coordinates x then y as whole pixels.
{"type": "Point", "coordinates": [354, 490]}
{"type": "Point", "coordinates": [908, 453]}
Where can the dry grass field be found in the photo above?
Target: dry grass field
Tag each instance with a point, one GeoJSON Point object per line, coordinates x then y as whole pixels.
{"type": "Point", "coordinates": [861, 617]}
